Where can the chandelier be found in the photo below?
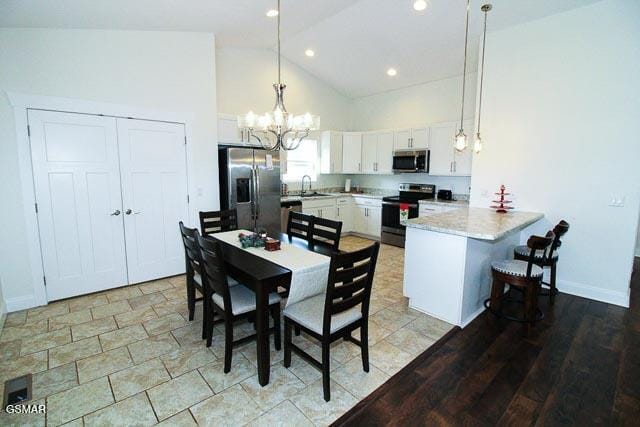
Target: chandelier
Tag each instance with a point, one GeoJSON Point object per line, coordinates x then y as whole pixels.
{"type": "Point", "coordinates": [279, 129]}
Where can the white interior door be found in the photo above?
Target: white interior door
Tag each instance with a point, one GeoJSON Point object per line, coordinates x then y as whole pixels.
{"type": "Point", "coordinates": [77, 187]}
{"type": "Point", "coordinates": [154, 195]}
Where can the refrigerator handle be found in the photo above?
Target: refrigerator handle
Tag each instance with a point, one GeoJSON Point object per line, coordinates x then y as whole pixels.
{"type": "Point", "coordinates": [252, 195]}
{"type": "Point", "coordinates": [256, 191]}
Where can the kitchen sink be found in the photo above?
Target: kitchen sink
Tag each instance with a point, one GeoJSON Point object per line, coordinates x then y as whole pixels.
{"type": "Point", "coordinates": [315, 194]}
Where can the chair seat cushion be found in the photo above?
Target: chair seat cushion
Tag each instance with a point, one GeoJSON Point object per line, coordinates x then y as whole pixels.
{"type": "Point", "coordinates": [309, 313]}
{"type": "Point", "coordinates": [516, 268]}
{"type": "Point", "coordinates": [231, 280]}
{"type": "Point", "coordinates": [524, 250]}
{"type": "Point", "coordinates": [243, 299]}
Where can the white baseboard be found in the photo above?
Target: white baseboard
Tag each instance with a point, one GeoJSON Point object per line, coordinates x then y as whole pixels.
{"type": "Point", "coordinates": [21, 303]}
{"type": "Point", "coordinates": [604, 295]}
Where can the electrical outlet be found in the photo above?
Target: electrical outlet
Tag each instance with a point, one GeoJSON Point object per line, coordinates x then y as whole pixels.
{"type": "Point", "coordinates": [616, 200]}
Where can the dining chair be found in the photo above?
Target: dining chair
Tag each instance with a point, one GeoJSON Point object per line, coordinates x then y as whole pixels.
{"type": "Point", "coordinates": [300, 225]}
{"type": "Point", "coordinates": [193, 272]}
{"type": "Point", "coordinates": [522, 253]}
{"type": "Point", "coordinates": [218, 221]}
{"type": "Point", "coordinates": [325, 233]}
{"type": "Point", "coordinates": [232, 303]}
{"type": "Point", "coordinates": [337, 313]}
{"type": "Point", "coordinates": [523, 275]}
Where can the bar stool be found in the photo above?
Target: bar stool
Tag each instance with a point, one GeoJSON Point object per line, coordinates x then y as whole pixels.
{"type": "Point", "coordinates": [523, 275]}
{"type": "Point", "coordinates": [522, 253]}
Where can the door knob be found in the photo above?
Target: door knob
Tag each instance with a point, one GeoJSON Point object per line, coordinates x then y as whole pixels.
{"type": "Point", "coordinates": [128, 211]}
{"type": "Point", "coordinates": [115, 213]}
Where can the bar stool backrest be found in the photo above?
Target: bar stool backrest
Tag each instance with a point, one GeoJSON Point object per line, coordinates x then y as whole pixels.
{"type": "Point", "coordinates": [539, 243]}
{"type": "Point", "coordinates": [559, 230]}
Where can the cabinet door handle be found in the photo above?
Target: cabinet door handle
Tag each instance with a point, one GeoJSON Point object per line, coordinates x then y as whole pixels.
{"type": "Point", "coordinates": [455, 166]}
{"type": "Point", "coordinates": [359, 167]}
{"type": "Point", "coordinates": [338, 211]}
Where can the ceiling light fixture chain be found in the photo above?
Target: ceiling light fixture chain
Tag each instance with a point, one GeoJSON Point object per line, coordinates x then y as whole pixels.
{"type": "Point", "coordinates": [278, 129]}
{"type": "Point", "coordinates": [477, 146]}
{"type": "Point", "coordinates": [461, 137]}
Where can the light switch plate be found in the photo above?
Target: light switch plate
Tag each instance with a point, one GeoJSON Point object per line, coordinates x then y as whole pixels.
{"type": "Point", "coordinates": [616, 200]}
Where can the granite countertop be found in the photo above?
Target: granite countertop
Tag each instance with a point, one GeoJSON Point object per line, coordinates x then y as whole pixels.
{"type": "Point", "coordinates": [375, 194]}
{"type": "Point", "coordinates": [453, 203]}
{"type": "Point", "coordinates": [476, 223]}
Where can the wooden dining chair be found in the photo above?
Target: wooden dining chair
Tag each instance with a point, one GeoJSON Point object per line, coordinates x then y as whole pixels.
{"type": "Point", "coordinates": [230, 302]}
{"type": "Point", "coordinates": [193, 271]}
{"type": "Point", "coordinates": [524, 275]}
{"type": "Point", "coordinates": [336, 314]}
{"type": "Point", "coordinates": [300, 225]}
{"type": "Point", "coordinates": [522, 253]}
{"type": "Point", "coordinates": [325, 233]}
{"type": "Point", "coordinates": [218, 221]}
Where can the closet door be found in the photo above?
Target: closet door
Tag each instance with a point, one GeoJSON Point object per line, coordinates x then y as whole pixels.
{"type": "Point", "coordinates": [154, 196]}
{"type": "Point", "coordinates": [77, 187]}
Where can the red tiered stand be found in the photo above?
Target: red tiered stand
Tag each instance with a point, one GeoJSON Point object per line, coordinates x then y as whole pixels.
{"type": "Point", "coordinates": [503, 203]}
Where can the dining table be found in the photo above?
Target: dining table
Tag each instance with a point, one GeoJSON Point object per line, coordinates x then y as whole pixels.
{"type": "Point", "coordinates": [263, 277]}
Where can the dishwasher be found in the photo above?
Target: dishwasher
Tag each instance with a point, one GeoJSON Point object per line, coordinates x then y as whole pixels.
{"type": "Point", "coordinates": [285, 208]}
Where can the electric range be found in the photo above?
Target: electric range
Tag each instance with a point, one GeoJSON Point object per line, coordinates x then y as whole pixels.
{"type": "Point", "coordinates": [393, 233]}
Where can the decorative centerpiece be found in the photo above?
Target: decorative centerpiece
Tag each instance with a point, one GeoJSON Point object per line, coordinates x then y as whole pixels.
{"type": "Point", "coordinates": [503, 203]}
{"type": "Point", "coordinates": [253, 240]}
{"type": "Point", "coordinates": [272, 244]}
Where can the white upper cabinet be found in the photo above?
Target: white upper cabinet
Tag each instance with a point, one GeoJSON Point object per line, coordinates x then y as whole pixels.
{"type": "Point", "coordinates": [331, 152]}
{"type": "Point", "coordinates": [384, 162]}
{"type": "Point", "coordinates": [445, 160]}
{"type": "Point", "coordinates": [352, 152]}
{"type": "Point", "coordinates": [229, 133]}
{"type": "Point", "coordinates": [410, 138]}
{"type": "Point", "coordinates": [377, 152]}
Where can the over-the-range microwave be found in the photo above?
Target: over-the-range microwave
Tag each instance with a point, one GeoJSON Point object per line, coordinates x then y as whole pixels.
{"type": "Point", "coordinates": [411, 161]}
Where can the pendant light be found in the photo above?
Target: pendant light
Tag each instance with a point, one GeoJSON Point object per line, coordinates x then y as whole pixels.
{"type": "Point", "coordinates": [477, 145]}
{"type": "Point", "coordinates": [460, 143]}
{"type": "Point", "coordinates": [279, 129]}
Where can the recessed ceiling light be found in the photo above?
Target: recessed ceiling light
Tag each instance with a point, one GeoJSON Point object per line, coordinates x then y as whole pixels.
{"type": "Point", "coordinates": [272, 13]}
{"type": "Point", "coordinates": [309, 52]}
{"type": "Point", "coordinates": [420, 5]}
{"type": "Point", "coordinates": [391, 72]}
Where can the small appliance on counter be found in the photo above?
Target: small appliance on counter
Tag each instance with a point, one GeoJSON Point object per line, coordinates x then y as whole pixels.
{"type": "Point", "coordinates": [445, 195]}
{"type": "Point", "coordinates": [347, 185]}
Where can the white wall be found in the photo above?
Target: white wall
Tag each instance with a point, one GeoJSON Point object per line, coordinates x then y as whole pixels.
{"type": "Point", "coordinates": [561, 124]}
{"type": "Point", "coordinates": [169, 71]}
{"type": "Point", "coordinates": [245, 78]}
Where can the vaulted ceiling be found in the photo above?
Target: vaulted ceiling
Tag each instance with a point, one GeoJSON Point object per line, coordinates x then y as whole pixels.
{"type": "Point", "coordinates": [355, 41]}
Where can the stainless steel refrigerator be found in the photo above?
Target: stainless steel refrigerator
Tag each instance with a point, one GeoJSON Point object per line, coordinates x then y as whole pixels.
{"type": "Point", "coordinates": [250, 183]}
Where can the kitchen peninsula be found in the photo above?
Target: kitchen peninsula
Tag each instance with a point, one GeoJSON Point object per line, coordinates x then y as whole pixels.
{"type": "Point", "coordinates": [448, 255]}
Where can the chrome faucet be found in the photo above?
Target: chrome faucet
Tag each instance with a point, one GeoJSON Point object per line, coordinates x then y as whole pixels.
{"type": "Point", "coordinates": [302, 185]}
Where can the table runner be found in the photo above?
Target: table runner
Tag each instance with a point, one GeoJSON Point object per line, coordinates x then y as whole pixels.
{"type": "Point", "coordinates": [309, 270]}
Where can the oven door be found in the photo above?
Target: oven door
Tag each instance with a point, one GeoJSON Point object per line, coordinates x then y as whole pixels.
{"type": "Point", "coordinates": [391, 217]}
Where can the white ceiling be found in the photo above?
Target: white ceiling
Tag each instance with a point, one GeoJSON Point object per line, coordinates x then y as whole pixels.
{"type": "Point", "coordinates": [355, 41]}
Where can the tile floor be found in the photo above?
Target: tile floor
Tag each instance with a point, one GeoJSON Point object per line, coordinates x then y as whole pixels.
{"type": "Point", "coordinates": [129, 356]}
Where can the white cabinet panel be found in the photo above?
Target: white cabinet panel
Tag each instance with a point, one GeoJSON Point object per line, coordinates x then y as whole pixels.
{"type": "Point", "coordinates": [441, 148]}
{"type": "Point", "coordinates": [374, 218]}
{"type": "Point", "coordinates": [420, 138]}
{"type": "Point", "coordinates": [401, 139]}
{"type": "Point", "coordinates": [351, 152]}
{"type": "Point", "coordinates": [369, 152]}
{"type": "Point", "coordinates": [331, 152]}
{"type": "Point", "coordinates": [77, 188]}
{"type": "Point", "coordinates": [154, 195]}
{"type": "Point", "coordinates": [229, 133]}
{"type": "Point", "coordinates": [344, 214]}
{"type": "Point", "coordinates": [384, 162]}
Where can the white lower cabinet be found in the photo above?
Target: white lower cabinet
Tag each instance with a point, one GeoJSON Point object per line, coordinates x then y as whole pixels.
{"type": "Point", "coordinates": [367, 216]}
{"type": "Point", "coordinates": [321, 208]}
{"type": "Point", "coordinates": [344, 213]}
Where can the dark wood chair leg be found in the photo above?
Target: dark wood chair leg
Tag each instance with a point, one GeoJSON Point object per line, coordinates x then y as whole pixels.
{"type": "Point", "coordinates": [530, 306]}
{"type": "Point", "coordinates": [497, 293]}
{"type": "Point", "coordinates": [552, 283]}
{"type": "Point", "coordinates": [364, 345]}
{"type": "Point", "coordinates": [191, 299]}
{"type": "Point", "coordinates": [209, 334]}
{"type": "Point", "coordinates": [297, 330]}
{"type": "Point", "coordinates": [287, 343]}
{"type": "Point", "coordinates": [206, 317]}
{"type": "Point", "coordinates": [275, 313]}
{"type": "Point", "coordinates": [228, 342]}
{"type": "Point", "coordinates": [326, 384]}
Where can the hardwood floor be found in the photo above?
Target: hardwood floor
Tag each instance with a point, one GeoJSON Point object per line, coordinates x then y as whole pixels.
{"type": "Point", "coordinates": [579, 366]}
